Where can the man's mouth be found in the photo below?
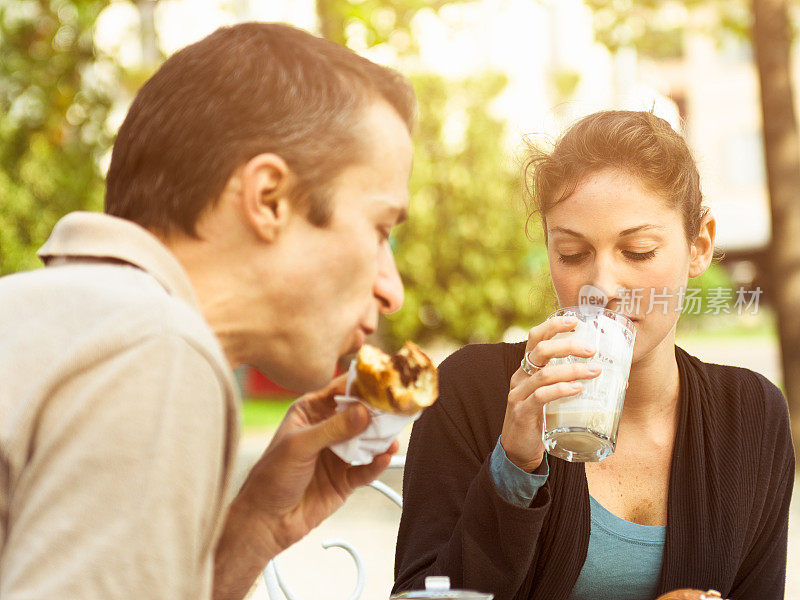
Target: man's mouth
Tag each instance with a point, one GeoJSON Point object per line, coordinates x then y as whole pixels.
{"type": "Point", "coordinates": [361, 335]}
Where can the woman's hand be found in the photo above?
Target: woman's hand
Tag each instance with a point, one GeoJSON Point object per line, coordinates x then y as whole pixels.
{"type": "Point", "coordinates": [521, 437]}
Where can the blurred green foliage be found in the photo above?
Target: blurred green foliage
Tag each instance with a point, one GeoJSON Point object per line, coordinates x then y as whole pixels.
{"type": "Point", "coordinates": [715, 285]}
{"type": "Point", "coordinates": [564, 82]}
{"type": "Point", "coordinates": [381, 21]}
{"type": "Point", "coordinates": [469, 269]}
{"type": "Point", "coordinates": [263, 416]}
{"type": "Point", "coordinates": [714, 277]}
{"type": "Point", "coordinates": [470, 272]}
{"type": "Point", "coordinates": [656, 28]}
{"type": "Point", "coordinates": [54, 100]}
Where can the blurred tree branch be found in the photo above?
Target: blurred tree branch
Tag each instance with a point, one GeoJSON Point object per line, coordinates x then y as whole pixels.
{"type": "Point", "coordinates": [772, 40]}
{"type": "Point", "coordinates": [151, 52]}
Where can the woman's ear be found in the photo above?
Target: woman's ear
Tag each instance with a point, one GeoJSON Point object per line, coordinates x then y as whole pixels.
{"type": "Point", "coordinates": [266, 182]}
{"type": "Point", "coordinates": [702, 249]}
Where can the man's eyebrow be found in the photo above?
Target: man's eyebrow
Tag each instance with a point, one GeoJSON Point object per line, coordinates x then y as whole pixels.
{"type": "Point", "coordinates": [394, 208]}
{"type": "Point", "coordinates": [624, 232]}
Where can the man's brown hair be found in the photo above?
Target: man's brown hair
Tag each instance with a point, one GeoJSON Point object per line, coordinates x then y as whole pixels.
{"type": "Point", "coordinates": [244, 90]}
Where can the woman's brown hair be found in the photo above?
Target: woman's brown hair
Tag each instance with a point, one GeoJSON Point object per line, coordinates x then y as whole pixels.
{"type": "Point", "coordinates": [637, 142]}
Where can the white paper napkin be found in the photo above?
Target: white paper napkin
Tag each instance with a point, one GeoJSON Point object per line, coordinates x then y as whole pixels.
{"type": "Point", "coordinates": [383, 428]}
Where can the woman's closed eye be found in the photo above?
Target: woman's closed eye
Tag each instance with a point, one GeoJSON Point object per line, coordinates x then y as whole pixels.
{"type": "Point", "coordinates": [639, 256]}
{"type": "Point", "coordinates": [572, 258]}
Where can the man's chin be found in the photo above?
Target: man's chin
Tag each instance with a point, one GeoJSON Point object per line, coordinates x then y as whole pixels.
{"type": "Point", "coordinates": [302, 377]}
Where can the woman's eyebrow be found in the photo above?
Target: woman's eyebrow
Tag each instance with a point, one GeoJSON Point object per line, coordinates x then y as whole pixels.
{"type": "Point", "coordinates": [566, 231]}
{"type": "Point", "coordinates": [639, 228]}
{"type": "Point", "coordinates": [624, 232]}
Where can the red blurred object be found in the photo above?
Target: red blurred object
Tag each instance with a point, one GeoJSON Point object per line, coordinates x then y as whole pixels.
{"type": "Point", "coordinates": [256, 385]}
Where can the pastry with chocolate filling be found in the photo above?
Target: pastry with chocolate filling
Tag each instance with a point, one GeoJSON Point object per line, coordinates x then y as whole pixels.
{"type": "Point", "coordinates": [690, 594]}
{"type": "Point", "coordinates": [403, 383]}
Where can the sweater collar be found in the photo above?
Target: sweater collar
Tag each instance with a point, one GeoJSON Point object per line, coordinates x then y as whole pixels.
{"type": "Point", "coordinates": [82, 235]}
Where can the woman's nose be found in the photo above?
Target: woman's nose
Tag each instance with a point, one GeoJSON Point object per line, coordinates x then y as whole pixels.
{"type": "Point", "coordinates": [607, 280]}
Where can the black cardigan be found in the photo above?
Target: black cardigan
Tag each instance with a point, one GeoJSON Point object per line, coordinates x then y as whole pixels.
{"type": "Point", "coordinates": [729, 491]}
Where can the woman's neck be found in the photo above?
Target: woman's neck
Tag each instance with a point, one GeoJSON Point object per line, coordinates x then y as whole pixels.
{"type": "Point", "coordinates": [653, 388]}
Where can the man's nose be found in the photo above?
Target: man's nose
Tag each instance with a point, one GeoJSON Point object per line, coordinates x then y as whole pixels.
{"type": "Point", "coordinates": [388, 285]}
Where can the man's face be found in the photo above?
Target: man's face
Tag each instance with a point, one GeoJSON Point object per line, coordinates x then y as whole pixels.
{"type": "Point", "coordinates": [335, 280]}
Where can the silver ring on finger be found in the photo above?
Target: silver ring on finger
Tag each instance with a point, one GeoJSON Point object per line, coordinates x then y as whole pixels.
{"type": "Point", "coordinates": [528, 365]}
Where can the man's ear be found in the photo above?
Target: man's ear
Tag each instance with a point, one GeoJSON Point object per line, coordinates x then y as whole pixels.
{"type": "Point", "coordinates": [266, 185]}
{"type": "Point", "coordinates": [702, 249]}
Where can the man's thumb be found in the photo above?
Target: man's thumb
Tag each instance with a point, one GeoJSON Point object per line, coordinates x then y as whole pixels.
{"type": "Point", "coordinates": [338, 428]}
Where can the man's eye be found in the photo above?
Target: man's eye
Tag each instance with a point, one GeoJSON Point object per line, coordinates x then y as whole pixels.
{"type": "Point", "coordinates": [639, 255]}
{"type": "Point", "coordinates": [572, 259]}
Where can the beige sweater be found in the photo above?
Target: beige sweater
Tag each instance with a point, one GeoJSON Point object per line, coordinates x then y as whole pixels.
{"type": "Point", "coordinates": [118, 422]}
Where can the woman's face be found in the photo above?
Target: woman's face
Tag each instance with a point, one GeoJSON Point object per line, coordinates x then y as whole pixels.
{"type": "Point", "coordinates": [615, 234]}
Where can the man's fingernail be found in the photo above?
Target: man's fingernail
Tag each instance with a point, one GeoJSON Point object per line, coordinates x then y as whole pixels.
{"type": "Point", "coordinates": [589, 348]}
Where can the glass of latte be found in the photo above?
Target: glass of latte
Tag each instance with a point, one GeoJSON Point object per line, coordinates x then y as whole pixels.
{"type": "Point", "coordinates": [583, 427]}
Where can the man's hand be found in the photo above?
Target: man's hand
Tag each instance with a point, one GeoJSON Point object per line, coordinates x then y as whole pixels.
{"type": "Point", "coordinates": [294, 486]}
{"type": "Point", "coordinates": [298, 482]}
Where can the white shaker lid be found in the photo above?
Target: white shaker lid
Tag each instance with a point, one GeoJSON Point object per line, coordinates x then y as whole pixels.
{"type": "Point", "coordinates": [437, 583]}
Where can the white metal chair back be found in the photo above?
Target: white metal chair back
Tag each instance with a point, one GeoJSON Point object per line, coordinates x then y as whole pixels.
{"type": "Point", "coordinates": [279, 589]}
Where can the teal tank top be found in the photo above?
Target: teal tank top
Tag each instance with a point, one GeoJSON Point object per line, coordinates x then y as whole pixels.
{"type": "Point", "coordinates": [623, 561]}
